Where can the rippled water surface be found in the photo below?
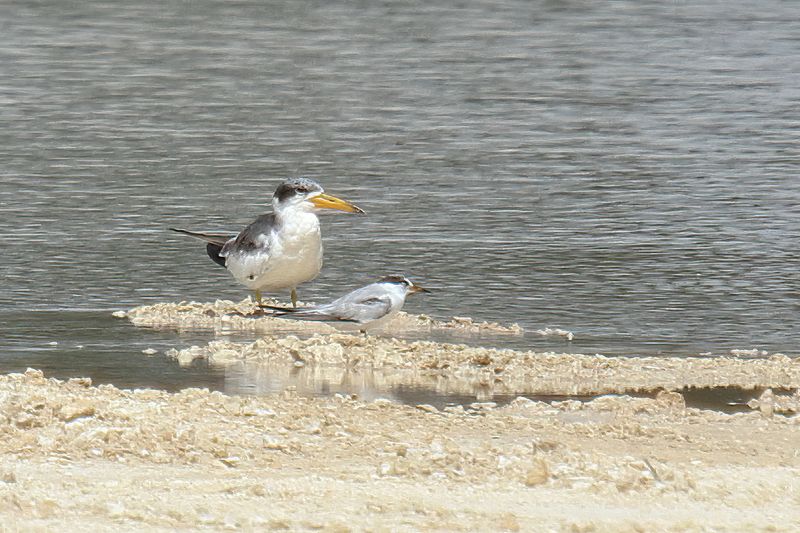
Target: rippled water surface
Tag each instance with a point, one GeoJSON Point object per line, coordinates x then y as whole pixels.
{"type": "Point", "coordinates": [627, 171]}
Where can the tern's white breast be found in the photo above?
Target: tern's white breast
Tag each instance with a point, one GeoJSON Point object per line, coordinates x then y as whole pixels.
{"type": "Point", "coordinates": [293, 256]}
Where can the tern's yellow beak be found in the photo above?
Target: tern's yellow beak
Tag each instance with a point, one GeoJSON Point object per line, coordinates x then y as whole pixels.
{"type": "Point", "coordinates": [326, 201]}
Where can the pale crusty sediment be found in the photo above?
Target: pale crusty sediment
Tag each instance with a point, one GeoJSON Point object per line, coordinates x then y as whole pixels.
{"type": "Point", "coordinates": [75, 456]}
{"type": "Point", "coordinates": [466, 368]}
{"type": "Point", "coordinates": [506, 371]}
{"type": "Point", "coordinates": [228, 315]}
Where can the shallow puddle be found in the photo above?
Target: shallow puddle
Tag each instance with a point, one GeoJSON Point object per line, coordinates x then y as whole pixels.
{"type": "Point", "coordinates": [76, 345]}
{"type": "Point", "coordinates": [414, 388]}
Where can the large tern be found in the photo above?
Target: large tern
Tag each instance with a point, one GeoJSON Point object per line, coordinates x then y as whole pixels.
{"type": "Point", "coordinates": [279, 250]}
{"type": "Point", "coordinates": [367, 307]}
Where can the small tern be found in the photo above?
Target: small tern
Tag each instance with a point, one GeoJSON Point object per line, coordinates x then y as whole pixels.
{"type": "Point", "coordinates": [279, 250]}
{"type": "Point", "coordinates": [369, 307]}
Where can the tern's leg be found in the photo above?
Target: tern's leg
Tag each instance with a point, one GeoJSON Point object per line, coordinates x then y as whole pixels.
{"type": "Point", "coordinates": [258, 297]}
{"type": "Point", "coordinates": [294, 298]}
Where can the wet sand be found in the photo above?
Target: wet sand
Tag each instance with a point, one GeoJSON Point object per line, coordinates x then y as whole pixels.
{"type": "Point", "coordinates": [77, 456]}
{"type": "Point", "coordinates": [456, 368]}
{"type": "Point", "coordinates": [225, 315]}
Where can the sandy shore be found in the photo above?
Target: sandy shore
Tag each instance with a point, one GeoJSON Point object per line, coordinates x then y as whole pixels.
{"type": "Point", "coordinates": [456, 368]}
{"type": "Point", "coordinates": [225, 315]}
{"type": "Point", "coordinates": [75, 456]}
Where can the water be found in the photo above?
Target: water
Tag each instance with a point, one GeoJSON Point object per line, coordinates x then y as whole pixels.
{"type": "Point", "coordinates": [626, 170]}
{"type": "Point", "coordinates": [414, 389]}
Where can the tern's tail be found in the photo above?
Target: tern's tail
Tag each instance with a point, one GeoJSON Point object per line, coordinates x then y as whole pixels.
{"type": "Point", "coordinates": [279, 311]}
{"type": "Point", "coordinates": [304, 313]}
{"type": "Point", "coordinates": [215, 242]}
{"type": "Point", "coordinates": [213, 238]}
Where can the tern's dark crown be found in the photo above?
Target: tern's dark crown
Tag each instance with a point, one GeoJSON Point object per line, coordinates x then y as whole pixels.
{"type": "Point", "coordinates": [396, 279]}
{"type": "Point", "coordinates": [294, 186]}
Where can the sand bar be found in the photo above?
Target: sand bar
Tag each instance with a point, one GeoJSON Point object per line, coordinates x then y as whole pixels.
{"type": "Point", "coordinates": [75, 456]}
{"type": "Point", "coordinates": [457, 367]}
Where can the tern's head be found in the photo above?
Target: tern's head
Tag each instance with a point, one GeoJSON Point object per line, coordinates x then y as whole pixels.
{"type": "Point", "coordinates": [405, 283]}
{"type": "Point", "coordinates": [307, 195]}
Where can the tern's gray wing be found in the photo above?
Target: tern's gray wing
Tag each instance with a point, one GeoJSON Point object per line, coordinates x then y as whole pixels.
{"type": "Point", "coordinates": [363, 311]}
{"type": "Point", "coordinates": [362, 305]}
{"type": "Point", "coordinates": [252, 237]}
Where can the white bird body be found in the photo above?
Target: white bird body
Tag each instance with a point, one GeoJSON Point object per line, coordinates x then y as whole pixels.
{"type": "Point", "coordinates": [285, 259]}
{"type": "Point", "coordinates": [279, 250]}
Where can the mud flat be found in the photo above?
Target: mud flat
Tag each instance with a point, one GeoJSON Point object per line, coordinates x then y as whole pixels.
{"type": "Point", "coordinates": [456, 367]}
{"type": "Point", "coordinates": [74, 456]}
{"type": "Point", "coordinates": [225, 315]}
